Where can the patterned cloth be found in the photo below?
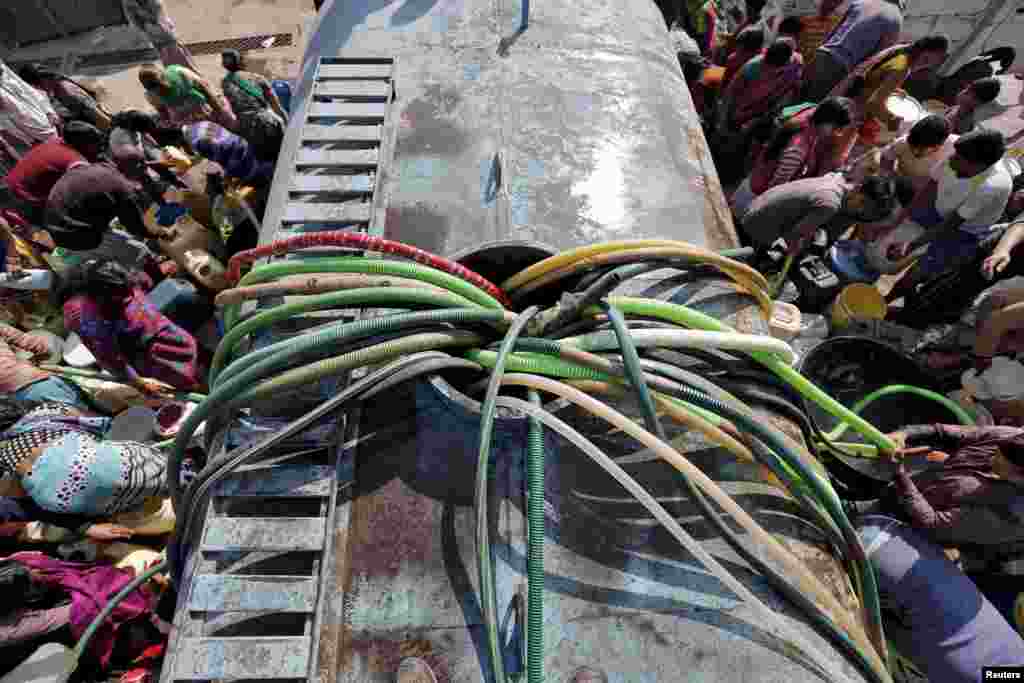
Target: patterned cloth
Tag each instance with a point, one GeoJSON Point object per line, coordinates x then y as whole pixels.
{"type": "Point", "coordinates": [133, 338]}
{"type": "Point", "coordinates": [42, 426]}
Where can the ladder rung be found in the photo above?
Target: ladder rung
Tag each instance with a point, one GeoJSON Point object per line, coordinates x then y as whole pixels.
{"type": "Point", "coordinates": [349, 110]}
{"type": "Point", "coordinates": [264, 533]}
{"type": "Point", "coordinates": [233, 593]}
{"type": "Point", "coordinates": [313, 132]}
{"type": "Point", "coordinates": [340, 184]}
{"type": "Point", "coordinates": [355, 70]}
{"type": "Point", "coordinates": [235, 658]}
{"type": "Point", "coordinates": [337, 157]}
{"type": "Point", "coordinates": [285, 480]}
{"type": "Point", "coordinates": [354, 89]}
{"type": "Point", "coordinates": [352, 212]}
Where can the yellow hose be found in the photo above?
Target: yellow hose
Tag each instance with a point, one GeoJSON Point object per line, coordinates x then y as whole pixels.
{"type": "Point", "coordinates": [805, 581]}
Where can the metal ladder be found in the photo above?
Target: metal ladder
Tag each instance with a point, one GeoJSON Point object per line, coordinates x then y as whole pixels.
{"type": "Point", "coordinates": [332, 179]}
{"type": "Point", "coordinates": [254, 590]}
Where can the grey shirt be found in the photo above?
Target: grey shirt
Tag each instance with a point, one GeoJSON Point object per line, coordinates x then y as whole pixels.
{"type": "Point", "coordinates": [797, 207]}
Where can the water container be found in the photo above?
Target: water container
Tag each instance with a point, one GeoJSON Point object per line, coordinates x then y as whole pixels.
{"type": "Point", "coordinates": [182, 302]}
{"type": "Point", "coordinates": [848, 259]}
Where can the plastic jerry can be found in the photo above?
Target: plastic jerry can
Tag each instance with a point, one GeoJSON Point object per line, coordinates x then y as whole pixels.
{"type": "Point", "coordinates": [817, 284]}
{"type": "Point", "coordinates": [182, 302]}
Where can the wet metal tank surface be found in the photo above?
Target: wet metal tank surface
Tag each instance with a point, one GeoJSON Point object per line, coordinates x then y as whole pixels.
{"type": "Point", "coordinates": [577, 130]}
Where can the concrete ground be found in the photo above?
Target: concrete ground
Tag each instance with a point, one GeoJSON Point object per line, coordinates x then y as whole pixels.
{"type": "Point", "coordinates": [197, 21]}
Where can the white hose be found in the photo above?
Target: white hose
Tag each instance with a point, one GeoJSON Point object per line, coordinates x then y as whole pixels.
{"type": "Point", "coordinates": [772, 621]}
{"type": "Point", "coordinates": [796, 571]}
{"type": "Point", "coordinates": [605, 340]}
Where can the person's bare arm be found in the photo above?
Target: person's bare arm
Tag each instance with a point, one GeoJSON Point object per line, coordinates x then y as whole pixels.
{"type": "Point", "coordinates": [1000, 258]}
{"type": "Point", "coordinates": [273, 100]}
{"type": "Point", "coordinates": [876, 104]}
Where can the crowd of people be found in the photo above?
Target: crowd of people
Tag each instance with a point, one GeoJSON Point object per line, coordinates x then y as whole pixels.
{"type": "Point", "coordinates": [833, 130]}
{"type": "Point", "coordinates": [112, 205]}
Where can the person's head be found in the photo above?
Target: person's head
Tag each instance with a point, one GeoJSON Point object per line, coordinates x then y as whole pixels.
{"type": "Point", "coordinates": [750, 41]}
{"type": "Point", "coordinates": [779, 54]}
{"type": "Point", "coordinates": [1008, 462]}
{"type": "Point", "coordinates": [872, 200]}
{"type": "Point", "coordinates": [981, 91]}
{"type": "Point", "coordinates": [231, 60]}
{"type": "Point", "coordinates": [977, 152]}
{"type": "Point", "coordinates": [791, 26]}
{"type": "Point", "coordinates": [85, 138]}
{"type": "Point", "coordinates": [134, 120]}
{"type": "Point", "coordinates": [928, 135]}
{"type": "Point", "coordinates": [153, 78]}
{"type": "Point", "coordinates": [928, 52]}
{"type": "Point", "coordinates": [834, 113]}
{"type": "Point", "coordinates": [102, 278]}
{"type": "Point", "coordinates": [37, 75]}
{"type": "Point", "coordinates": [170, 136]}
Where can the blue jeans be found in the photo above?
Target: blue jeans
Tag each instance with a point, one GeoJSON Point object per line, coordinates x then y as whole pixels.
{"type": "Point", "coordinates": [52, 390]}
{"type": "Point", "coordinates": [942, 623]}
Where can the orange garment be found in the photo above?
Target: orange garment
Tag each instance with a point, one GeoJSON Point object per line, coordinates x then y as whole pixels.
{"type": "Point", "coordinates": [812, 36]}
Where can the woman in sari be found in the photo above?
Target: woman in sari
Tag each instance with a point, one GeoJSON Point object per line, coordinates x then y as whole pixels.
{"type": "Point", "coordinates": [872, 83]}
{"type": "Point", "coordinates": [182, 96]}
{"type": "Point", "coordinates": [806, 146]}
{"type": "Point", "coordinates": [261, 118]}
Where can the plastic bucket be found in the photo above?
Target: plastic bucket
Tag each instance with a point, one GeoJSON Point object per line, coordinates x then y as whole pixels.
{"type": "Point", "coordinates": [858, 301]}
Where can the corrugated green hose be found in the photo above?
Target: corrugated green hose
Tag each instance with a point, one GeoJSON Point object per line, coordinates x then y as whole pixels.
{"type": "Point", "coordinates": [535, 546]}
{"type": "Point", "coordinates": [959, 413]}
{"type": "Point", "coordinates": [363, 265]}
{"type": "Point", "coordinates": [372, 296]}
{"type": "Point", "coordinates": [321, 342]}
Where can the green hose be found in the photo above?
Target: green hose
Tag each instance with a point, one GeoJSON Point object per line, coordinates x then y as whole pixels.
{"type": "Point", "coordinates": [370, 296]}
{"type": "Point", "coordinates": [238, 391]}
{"type": "Point", "coordinates": [690, 318]}
{"type": "Point", "coordinates": [485, 555]}
{"type": "Point", "coordinates": [535, 546]}
{"type": "Point", "coordinates": [958, 412]}
{"type": "Point", "coordinates": [322, 341]}
{"type": "Point", "coordinates": [108, 609]}
{"type": "Point", "coordinates": [362, 265]}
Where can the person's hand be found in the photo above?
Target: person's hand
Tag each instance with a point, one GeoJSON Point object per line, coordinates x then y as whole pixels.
{"type": "Point", "coordinates": [898, 438]}
{"type": "Point", "coordinates": [995, 264]}
{"type": "Point", "coordinates": [154, 387]}
{"type": "Point", "coordinates": [108, 532]}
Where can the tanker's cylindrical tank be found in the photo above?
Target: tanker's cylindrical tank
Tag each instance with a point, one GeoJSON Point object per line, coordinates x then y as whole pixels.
{"type": "Point", "coordinates": [570, 128]}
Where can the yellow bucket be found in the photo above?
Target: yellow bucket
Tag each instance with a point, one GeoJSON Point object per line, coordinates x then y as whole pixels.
{"type": "Point", "coordinates": [858, 301]}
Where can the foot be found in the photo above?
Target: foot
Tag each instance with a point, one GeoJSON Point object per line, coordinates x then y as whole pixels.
{"type": "Point", "coordinates": [585, 674]}
{"type": "Point", "coordinates": [414, 670]}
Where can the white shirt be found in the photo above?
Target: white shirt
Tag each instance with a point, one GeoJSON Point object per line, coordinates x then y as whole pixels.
{"type": "Point", "coordinates": [979, 200]}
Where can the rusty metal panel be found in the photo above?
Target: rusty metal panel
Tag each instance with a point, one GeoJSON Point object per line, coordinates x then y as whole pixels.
{"type": "Point", "coordinates": [354, 89]}
{"type": "Point", "coordinates": [220, 593]}
{"type": "Point", "coordinates": [338, 184]}
{"type": "Point", "coordinates": [355, 158]}
{"type": "Point", "coordinates": [285, 480]}
{"type": "Point", "coordinates": [264, 533]}
{"type": "Point", "coordinates": [246, 658]}
{"type": "Point", "coordinates": [352, 212]}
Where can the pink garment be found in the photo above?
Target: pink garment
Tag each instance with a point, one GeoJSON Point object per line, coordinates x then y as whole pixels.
{"type": "Point", "coordinates": [806, 155]}
{"type": "Point", "coordinates": [90, 588]}
{"type": "Point", "coordinates": [758, 88]}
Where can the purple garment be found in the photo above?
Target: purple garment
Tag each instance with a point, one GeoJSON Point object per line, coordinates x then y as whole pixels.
{"type": "Point", "coordinates": [867, 27]}
{"type": "Point", "coordinates": [232, 152]}
{"type": "Point", "coordinates": [90, 588]}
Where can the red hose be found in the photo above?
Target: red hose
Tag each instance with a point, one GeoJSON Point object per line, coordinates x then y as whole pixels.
{"type": "Point", "coordinates": [345, 238]}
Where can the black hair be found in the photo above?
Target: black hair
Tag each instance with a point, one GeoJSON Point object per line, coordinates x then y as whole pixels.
{"type": "Point", "coordinates": [856, 88]}
{"type": "Point", "coordinates": [791, 26]}
{"type": "Point", "coordinates": [986, 89]}
{"type": "Point", "coordinates": [81, 135]}
{"type": "Point", "coordinates": [98, 277]}
{"type": "Point", "coordinates": [751, 38]}
{"type": "Point", "coordinates": [779, 53]}
{"type": "Point", "coordinates": [169, 136]}
{"type": "Point", "coordinates": [835, 110]}
{"type": "Point", "coordinates": [931, 131]}
{"type": "Point", "coordinates": [134, 120]}
{"type": "Point", "coordinates": [936, 43]}
{"type": "Point", "coordinates": [1004, 55]}
{"type": "Point", "coordinates": [881, 191]}
{"type": "Point", "coordinates": [982, 146]}
{"type": "Point", "coordinates": [905, 191]}
{"type": "Point", "coordinates": [33, 74]}
{"type": "Point", "coordinates": [231, 60]}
